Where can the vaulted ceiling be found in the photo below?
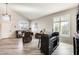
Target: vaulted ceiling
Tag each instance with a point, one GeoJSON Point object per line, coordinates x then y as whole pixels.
{"type": "Point", "coordinates": [35, 10]}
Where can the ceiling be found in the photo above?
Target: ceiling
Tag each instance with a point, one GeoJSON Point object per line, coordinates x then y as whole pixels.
{"type": "Point", "coordinates": [36, 10]}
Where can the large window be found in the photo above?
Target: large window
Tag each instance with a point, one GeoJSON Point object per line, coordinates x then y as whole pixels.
{"type": "Point", "coordinates": [56, 24]}
{"type": "Point", "coordinates": [23, 25]}
{"type": "Point", "coordinates": [62, 25]}
{"type": "Point", "coordinates": [35, 27]}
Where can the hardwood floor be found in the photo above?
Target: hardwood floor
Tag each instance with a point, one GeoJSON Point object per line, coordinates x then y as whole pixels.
{"type": "Point", "coordinates": [16, 47]}
{"type": "Point", "coordinates": [63, 49]}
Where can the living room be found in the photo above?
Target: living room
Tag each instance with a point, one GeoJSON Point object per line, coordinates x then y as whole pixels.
{"type": "Point", "coordinates": [17, 19]}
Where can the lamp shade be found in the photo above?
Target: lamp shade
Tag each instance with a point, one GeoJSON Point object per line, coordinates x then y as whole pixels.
{"type": "Point", "coordinates": [5, 18]}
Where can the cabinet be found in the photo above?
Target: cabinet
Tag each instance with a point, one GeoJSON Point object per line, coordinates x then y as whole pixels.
{"type": "Point", "coordinates": [76, 45]}
{"type": "Point", "coordinates": [77, 19]}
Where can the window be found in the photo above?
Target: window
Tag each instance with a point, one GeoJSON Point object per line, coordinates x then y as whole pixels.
{"type": "Point", "coordinates": [64, 28]}
{"type": "Point", "coordinates": [23, 25]}
{"type": "Point", "coordinates": [35, 27]}
{"type": "Point", "coordinates": [62, 25]}
{"type": "Point", "coordinates": [56, 24]}
{"type": "Point", "coordinates": [56, 27]}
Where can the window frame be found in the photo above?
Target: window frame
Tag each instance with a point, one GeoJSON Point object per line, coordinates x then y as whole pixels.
{"type": "Point", "coordinates": [67, 16]}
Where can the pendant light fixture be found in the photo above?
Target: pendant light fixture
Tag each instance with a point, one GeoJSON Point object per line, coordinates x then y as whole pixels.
{"type": "Point", "coordinates": [6, 8]}
{"type": "Point", "coordinates": [5, 16]}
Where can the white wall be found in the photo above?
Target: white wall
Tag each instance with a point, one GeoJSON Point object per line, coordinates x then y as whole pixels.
{"type": "Point", "coordinates": [47, 22]}
{"type": "Point", "coordinates": [15, 18]}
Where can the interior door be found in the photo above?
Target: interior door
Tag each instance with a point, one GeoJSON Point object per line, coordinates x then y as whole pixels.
{"type": "Point", "coordinates": [5, 30]}
{"type": "Point", "coordinates": [5, 26]}
{"type": "Point", "coordinates": [0, 30]}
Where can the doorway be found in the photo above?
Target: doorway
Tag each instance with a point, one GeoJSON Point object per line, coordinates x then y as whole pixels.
{"type": "Point", "coordinates": [5, 27]}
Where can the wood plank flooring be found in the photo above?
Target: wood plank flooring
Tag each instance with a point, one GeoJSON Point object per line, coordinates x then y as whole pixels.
{"type": "Point", "coordinates": [16, 47]}
{"type": "Point", "coordinates": [63, 49]}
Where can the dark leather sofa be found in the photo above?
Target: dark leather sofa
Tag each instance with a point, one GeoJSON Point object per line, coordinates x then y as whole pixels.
{"type": "Point", "coordinates": [49, 43]}
{"type": "Point", "coordinates": [27, 37]}
{"type": "Point", "coordinates": [38, 36]}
